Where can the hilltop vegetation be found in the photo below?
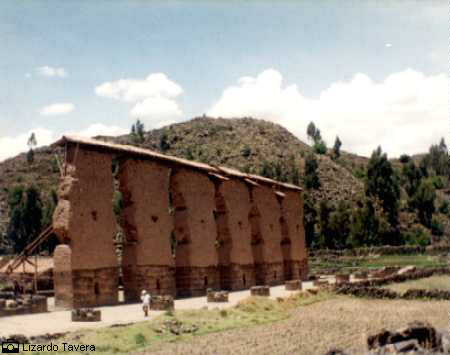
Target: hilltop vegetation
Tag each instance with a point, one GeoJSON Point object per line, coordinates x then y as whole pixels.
{"type": "Point", "coordinates": [349, 200]}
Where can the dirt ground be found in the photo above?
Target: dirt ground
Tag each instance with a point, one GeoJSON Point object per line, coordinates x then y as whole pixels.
{"type": "Point", "coordinates": [60, 321]}
{"type": "Point", "coordinates": [340, 322]}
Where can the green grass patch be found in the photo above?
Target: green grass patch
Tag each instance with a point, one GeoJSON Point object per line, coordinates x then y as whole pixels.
{"type": "Point", "coordinates": [142, 335]}
{"type": "Point", "coordinates": [441, 282]}
{"type": "Point", "coordinates": [346, 263]}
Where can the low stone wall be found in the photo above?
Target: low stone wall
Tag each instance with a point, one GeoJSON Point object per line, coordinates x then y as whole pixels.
{"type": "Point", "coordinates": [293, 285]}
{"type": "Point", "coordinates": [383, 293]}
{"type": "Point", "coordinates": [342, 278]}
{"type": "Point", "coordinates": [86, 315]}
{"type": "Point", "coordinates": [383, 250]}
{"type": "Point", "coordinates": [216, 296]}
{"type": "Point", "coordinates": [162, 303]}
{"type": "Point", "coordinates": [260, 291]}
{"type": "Point", "coordinates": [20, 306]}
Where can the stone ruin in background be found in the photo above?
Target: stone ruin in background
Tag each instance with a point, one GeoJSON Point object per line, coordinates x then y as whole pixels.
{"type": "Point", "coordinates": [187, 226]}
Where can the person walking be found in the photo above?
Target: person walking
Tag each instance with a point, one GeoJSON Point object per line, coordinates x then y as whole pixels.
{"type": "Point", "coordinates": [145, 298]}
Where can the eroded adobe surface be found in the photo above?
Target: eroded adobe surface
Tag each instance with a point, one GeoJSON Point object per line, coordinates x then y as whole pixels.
{"type": "Point", "coordinates": [266, 236]}
{"type": "Point", "coordinates": [234, 235]}
{"type": "Point", "coordinates": [293, 235]}
{"type": "Point", "coordinates": [147, 260]}
{"type": "Point", "coordinates": [85, 220]}
{"type": "Point", "coordinates": [193, 201]}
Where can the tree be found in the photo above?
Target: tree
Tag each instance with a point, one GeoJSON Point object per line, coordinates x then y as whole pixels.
{"type": "Point", "coordinates": [326, 233]}
{"type": "Point", "coordinates": [337, 147]}
{"type": "Point", "coordinates": [340, 221]}
{"type": "Point", "coordinates": [309, 220]}
{"type": "Point", "coordinates": [32, 142]}
{"type": "Point", "coordinates": [320, 147]}
{"type": "Point", "coordinates": [413, 177]}
{"type": "Point", "coordinates": [383, 184]}
{"type": "Point", "coordinates": [423, 201]}
{"type": "Point", "coordinates": [311, 131]}
{"type": "Point", "coordinates": [137, 132]}
{"type": "Point", "coordinates": [311, 177]}
{"type": "Point", "coordinates": [404, 158]}
{"type": "Point", "coordinates": [365, 225]}
{"type": "Point", "coordinates": [26, 217]}
{"type": "Point", "coordinates": [164, 144]}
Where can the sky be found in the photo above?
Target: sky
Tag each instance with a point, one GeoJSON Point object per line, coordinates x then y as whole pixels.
{"type": "Point", "coordinates": [371, 72]}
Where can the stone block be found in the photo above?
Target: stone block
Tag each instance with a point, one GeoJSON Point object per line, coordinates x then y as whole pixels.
{"type": "Point", "coordinates": [260, 291]}
{"type": "Point", "coordinates": [342, 278]}
{"type": "Point", "coordinates": [86, 315]}
{"type": "Point", "coordinates": [216, 296]}
{"type": "Point", "coordinates": [162, 303]}
{"type": "Point", "coordinates": [293, 285]}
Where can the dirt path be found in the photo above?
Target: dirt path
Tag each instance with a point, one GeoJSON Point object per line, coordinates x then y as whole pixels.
{"type": "Point", "coordinates": [59, 321]}
{"type": "Point", "coordinates": [340, 322]}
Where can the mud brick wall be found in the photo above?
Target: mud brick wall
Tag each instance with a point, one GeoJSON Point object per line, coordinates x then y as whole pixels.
{"type": "Point", "coordinates": [266, 236]}
{"type": "Point", "coordinates": [84, 219]}
{"type": "Point", "coordinates": [193, 200]}
{"type": "Point", "coordinates": [62, 276]}
{"type": "Point", "coordinates": [147, 256]}
{"type": "Point", "coordinates": [293, 244]}
{"type": "Point", "coordinates": [234, 235]}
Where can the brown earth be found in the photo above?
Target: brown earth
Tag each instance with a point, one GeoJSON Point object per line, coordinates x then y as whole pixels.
{"type": "Point", "coordinates": [340, 323]}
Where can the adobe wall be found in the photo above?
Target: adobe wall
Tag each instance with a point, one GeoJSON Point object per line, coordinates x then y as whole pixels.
{"type": "Point", "coordinates": [266, 236]}
{"type": "Point", "coordinates": [147, 261]}
{"type": "Point", "coordinates": [84, 219]}
{"type": "Point", "coordinates": [234, 235]}
{"type": "Point", "coordinates": [193, 201]}
{"type": "Point", "coordinates": [293, 245]}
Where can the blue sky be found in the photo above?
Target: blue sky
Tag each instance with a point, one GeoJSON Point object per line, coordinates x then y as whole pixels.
{"type": "Point", "coordinates": [372, 72]}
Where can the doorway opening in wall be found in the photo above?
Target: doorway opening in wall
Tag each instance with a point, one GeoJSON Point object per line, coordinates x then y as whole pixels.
{"type": "Point", "coordinates": [244, 281]}
{"type": "Point", "coordinates": [275, 275]}
{"type": "Point", "coordinates": [158, 285]}
{"type": "Point", "coordinates": [96, 289]}
{"type": "Point", "coordinates": [205, 280]}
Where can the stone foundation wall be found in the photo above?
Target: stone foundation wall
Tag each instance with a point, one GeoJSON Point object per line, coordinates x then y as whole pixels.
{"type": "Point", "coordinates": [194, 281]}
{"type": "Point", "coordinates": [62, 276]}
{"type": "Point", "coordinates": [269, 274]}
{"type": "Point", "coordinates": [96, 287]}
{"type": "Point", "coordinates": [20, 306]}
{"type": "Point", "coordinates": [157, 280]}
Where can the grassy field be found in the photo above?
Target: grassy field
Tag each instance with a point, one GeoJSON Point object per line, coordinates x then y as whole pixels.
{"type": "Point", "coordinates": [429, 283]}
{"type": "Point", "coordinates": [146, 335]}
{"type": "Point", "coordinates": [347, 263]}
{"type": "Point", "coordinates": [342, 322]}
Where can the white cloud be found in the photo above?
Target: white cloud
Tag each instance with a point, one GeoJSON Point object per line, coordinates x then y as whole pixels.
{"type": "Point", "coordinates": [57, 109]}
{"type": "Point", "coordinates": [52, 72]}
{"type": "Point", "coordinates": [13, 145]}
{"type": "Point", "coordinates": [133, 90]}
{"type": "Point", "coordinates": [153, 98]}
{"type": "Point", "coordinates": [388, 45]}
{"type": "Point", "coordinates": [99, 129]}
{"type": "Point", "coordinates": [405, 113]}
{"type": "Point", "coordinates": [154, 110]}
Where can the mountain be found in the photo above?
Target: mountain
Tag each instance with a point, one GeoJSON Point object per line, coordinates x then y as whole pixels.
{"type": "Point", "coordinates": [250, 145]}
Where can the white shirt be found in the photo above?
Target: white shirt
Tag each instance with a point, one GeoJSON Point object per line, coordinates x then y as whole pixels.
{"type": "Point", "coordinates": [146, 299]}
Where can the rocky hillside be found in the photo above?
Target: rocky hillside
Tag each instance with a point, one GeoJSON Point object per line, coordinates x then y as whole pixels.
{"type": "Point", "coordinates": [251, 145]}
{"type": "Point", "coordinates": [246, 144]}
